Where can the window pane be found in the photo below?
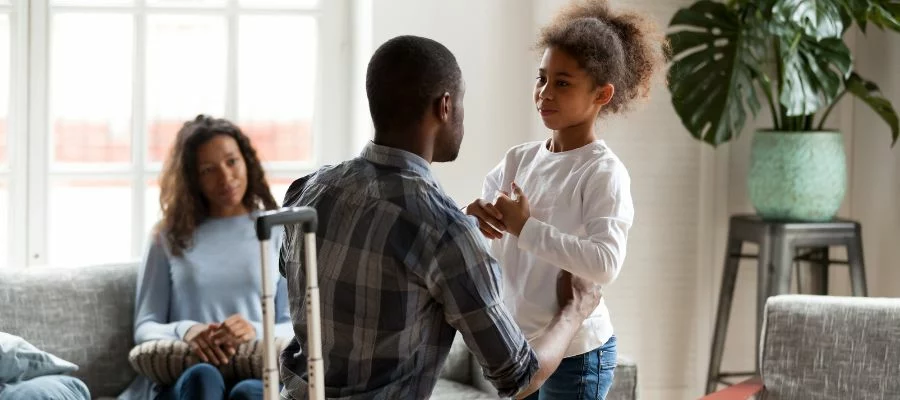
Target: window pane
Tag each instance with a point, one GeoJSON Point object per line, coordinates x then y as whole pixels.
{"type": "Point", "coordinates": [186, 67]}
{"type": "Point", "coordinates": [279, 186]}
{"type": "Point", "coordinates": [152, 212]}
{"type": "Point", "coordinates": [89, 222]}
{"type": "Point", "coordinates": [186, 3]}
{"type": "Point", "coordinates": [92, 2]}
{"type": "Point", "coordinates": [4, 222]}
{"type": "Point", "coordinates": [279, 3]}
{"type": "Point", "coordinates": [5, 65]}
{"type": "Point", "coordinates": [276, 89]}
{"type": "Point", "coordinates": [90, 88]}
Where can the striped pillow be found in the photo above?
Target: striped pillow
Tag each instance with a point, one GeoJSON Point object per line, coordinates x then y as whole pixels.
{"type": "Point", "coordinates": [163, 361]}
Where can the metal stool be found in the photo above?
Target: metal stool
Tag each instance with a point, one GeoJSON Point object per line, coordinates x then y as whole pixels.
{"type": "Point", "coordinates": [780, 244]}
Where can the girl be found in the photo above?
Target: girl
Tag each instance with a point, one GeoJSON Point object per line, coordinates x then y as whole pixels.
{"type": "Point", "coordinates": [200, 281]}
{"type": "Point", "coordinates": [566, 201]}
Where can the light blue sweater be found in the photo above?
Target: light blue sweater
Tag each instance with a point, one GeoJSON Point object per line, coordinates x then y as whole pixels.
{"type": "Point", "coordinates": [217, 277]}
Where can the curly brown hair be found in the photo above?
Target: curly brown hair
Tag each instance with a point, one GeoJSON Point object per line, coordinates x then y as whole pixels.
{"type": "Point", "coordinates": [625, 49]}
{"type": "Point", "coordinates": [183, 204]}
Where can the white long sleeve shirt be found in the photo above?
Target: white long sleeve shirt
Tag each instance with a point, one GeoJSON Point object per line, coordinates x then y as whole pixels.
{"type": "Point", "coordinates": [581, 211]}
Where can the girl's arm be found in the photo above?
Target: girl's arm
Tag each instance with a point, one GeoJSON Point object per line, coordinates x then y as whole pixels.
{"type": "Point", "coordinates": [492, 182]}
{"type": "Point", "coordinates": [607, 212]}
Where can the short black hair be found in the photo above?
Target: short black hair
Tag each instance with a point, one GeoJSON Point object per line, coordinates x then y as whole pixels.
{"type": "Point", "coordinates": [404, 75]}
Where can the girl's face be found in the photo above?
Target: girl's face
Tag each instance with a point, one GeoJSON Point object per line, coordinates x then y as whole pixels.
{"type": "Point", "coordinates": [222, 174]}
{"type": "Point", "coordinates": [564, 93]}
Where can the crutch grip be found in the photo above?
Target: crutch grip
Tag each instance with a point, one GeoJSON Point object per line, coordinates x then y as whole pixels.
{"type": "Point", "coordinates": [305, 216]}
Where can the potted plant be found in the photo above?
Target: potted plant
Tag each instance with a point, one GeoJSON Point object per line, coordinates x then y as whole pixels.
{"type": "Point", "coordinates": [790, 53]}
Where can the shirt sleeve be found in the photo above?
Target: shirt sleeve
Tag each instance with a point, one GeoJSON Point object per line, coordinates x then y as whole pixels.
{"type": "Point", "coordinates": [492, 182]}
{"type": "Point", "coordinates": [465, 279]}
{"type": "Point", "coordinates": [154, 287]}
{"type": "Point", "coordinates": [608, 214]}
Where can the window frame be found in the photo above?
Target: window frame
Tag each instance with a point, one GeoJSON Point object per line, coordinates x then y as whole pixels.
{"type": "Point", "coordinates": [30, 131]}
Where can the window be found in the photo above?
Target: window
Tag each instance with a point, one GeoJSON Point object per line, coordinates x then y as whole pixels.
{"type": "Point", "coordinates": [110, 82]}
{"type": "Point", "coordinates": [8, 61]}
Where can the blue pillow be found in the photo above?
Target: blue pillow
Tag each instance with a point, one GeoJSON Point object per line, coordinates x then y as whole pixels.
{"type": "Point", "coordinates": [20, 360]}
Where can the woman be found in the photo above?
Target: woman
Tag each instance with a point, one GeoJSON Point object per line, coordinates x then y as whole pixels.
{"type": "Point", "coordinates": [200, 281]}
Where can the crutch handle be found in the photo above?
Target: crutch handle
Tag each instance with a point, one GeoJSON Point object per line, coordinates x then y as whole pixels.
{"type": "Point", "coordinates": [305, 216]}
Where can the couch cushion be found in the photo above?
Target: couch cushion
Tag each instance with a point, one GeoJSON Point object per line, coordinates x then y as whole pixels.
{"type": "Point", "coordinates": [83, 315]}
{"type": "Point", "coordinates": [450, 390]}
{"type": "Point", "coordinates": [624, 385]}
{"type": "Point", "coordinates": [456, 368]}
{"type": "Point", "coordinates": [21, 361]}
{"type": "Point", "coordinates": [163, 361]}
{"type": "Point", "coordinates": [828, 347]}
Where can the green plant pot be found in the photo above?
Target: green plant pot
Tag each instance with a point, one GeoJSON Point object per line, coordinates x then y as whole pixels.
{"type": "Point", "coordinates": [797, 176]}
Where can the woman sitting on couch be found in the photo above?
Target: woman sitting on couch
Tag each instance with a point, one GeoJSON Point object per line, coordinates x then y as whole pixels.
{"type": "Point", "coordinates": [200, 281]}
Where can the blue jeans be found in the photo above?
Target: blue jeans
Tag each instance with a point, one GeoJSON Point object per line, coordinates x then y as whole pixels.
{"type": "Point", "coordinates": [205, 382]}
{"type": "Point", "coordinates": [49, 387]}
{"type": "Point", "coordinates": [586, 376]}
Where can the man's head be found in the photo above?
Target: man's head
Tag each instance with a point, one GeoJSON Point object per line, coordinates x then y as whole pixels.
{"type": "Point", "coordinates": [415, 92]}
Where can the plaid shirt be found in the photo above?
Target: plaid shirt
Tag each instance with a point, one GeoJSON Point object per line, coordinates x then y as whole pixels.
{"type": "Point", "coordinates": [401, 270]}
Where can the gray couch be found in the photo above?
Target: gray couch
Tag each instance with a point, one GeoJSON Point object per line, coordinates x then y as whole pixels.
{"type": "Point", "coordinates": [85, 316]}
{"type": "Point", "coordinates": [826, 348]}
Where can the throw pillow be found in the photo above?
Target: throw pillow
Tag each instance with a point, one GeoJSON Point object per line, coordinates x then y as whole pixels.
{"type": "Point", "coordinates": [163, 361]}
{"type": "Point", "coordinates": [20, 360]}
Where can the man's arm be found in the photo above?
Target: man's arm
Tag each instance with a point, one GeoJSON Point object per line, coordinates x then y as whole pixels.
{"type": "Point", "coordinates": [578, 298]}
{"type": "Point", "coordinates": [466, 280]}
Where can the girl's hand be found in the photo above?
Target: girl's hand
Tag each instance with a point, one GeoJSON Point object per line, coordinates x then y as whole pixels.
{"type": "Point", "coordinates": [489, 218]}
{"type": "Point", "coordinates": [515, 211]}
{"type": "Point", "coordinates": [199, 337]}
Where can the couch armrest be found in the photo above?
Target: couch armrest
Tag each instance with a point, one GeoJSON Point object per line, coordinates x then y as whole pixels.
{"type": "Point", "coordinates": [740, 391]}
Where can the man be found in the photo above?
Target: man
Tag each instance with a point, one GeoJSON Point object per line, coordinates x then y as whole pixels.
{"type": "Point", "coordinates": [401, 268]}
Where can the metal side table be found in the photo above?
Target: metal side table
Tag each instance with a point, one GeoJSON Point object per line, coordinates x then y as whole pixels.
{"type": "Point", "coordinates": [780, 245]}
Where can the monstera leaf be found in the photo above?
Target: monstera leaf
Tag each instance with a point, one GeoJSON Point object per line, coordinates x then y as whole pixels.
{"type": "Point", "coordinates": [882, 13]}
{"type": "Point", "coordinates": [814, 60]}
{"type": "Point", "coordinates": [869, 93]}
{"type": "Point", "coordinates": [813, 73]}
{"type": "Point", "coordinates": [716, 64]}
{"type": "Point", "coordinates": [727, 54]}
{"type": "Point", "coordinates": [818, 19]}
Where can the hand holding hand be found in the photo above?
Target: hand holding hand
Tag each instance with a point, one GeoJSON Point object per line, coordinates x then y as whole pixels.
{"type": "Point", "coordinates": [515, 212]}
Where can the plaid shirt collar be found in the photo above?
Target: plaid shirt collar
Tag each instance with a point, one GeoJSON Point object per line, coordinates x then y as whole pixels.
{"type": "Point", "coordinates": [395, 157]}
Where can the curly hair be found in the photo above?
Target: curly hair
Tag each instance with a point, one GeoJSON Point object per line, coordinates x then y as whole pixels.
{"type": "Point", "coordinates": [183, 204]}
{"type": "Point", "coordinates": [624, 49]}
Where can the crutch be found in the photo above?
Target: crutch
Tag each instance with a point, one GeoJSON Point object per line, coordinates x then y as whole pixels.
{"type": "Point", "coordinates": [307, 218]}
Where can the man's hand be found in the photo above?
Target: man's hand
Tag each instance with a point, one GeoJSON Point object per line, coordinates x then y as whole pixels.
{"type": "Point", "coordinates": [489, 218]}
{"type": "Point", "coordinates": [199, 337]}
{"type": "Point", "coordinates": [581, 294]}
{"type": "Point", "coordinates": [233, 332]}
{"type": "Point", "coordinates": [515, 212]}
{"type": "Point", "coordinates": [577, 299]}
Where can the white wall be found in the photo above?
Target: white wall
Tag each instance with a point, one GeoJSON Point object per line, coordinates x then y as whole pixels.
{"type": "Point", "coordinates": [875, 172]}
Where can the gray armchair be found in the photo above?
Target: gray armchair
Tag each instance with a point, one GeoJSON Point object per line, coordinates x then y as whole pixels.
{"type": "Point", "coordinates": [826, 348]}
